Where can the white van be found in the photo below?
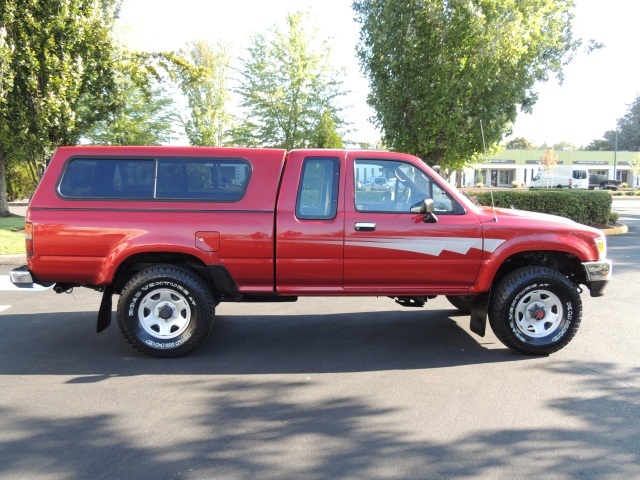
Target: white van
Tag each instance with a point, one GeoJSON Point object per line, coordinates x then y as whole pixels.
{"type": "Point", "coordinates": [563, 176]}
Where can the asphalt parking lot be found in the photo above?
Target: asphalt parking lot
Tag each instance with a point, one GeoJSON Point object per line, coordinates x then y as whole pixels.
{"type": "Point", "coordinates": [322, 389]}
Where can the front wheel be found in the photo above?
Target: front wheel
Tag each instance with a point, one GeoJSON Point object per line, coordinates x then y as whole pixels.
{"type": "Point", "coordinates": [165, 311]}
{"type": "Point", "coordinates": [535, 310]}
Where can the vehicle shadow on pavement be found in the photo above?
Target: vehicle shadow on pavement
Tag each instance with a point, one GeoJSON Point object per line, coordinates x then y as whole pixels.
{"type": "Point", "coordinates": [279, 428]}
{"type": "Point", "coordinates": [66, 344]}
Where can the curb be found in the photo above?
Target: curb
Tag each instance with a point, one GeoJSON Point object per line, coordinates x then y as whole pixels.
{"type": "Point", "coordinates": [617, 230]}
{"type": "Point", "coordinates": [13, 259]}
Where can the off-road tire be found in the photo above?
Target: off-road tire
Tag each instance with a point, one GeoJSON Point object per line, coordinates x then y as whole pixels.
{"type": "Point", "coordinates": [165, 311]}
{"type": "Point", "coordinates": [535, 310]}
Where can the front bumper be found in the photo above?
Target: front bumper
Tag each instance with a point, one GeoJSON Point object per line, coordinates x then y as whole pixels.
{"type": "Point", "coordinates": [598, 275]}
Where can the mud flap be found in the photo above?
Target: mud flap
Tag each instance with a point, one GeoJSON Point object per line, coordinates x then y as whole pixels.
{"type": "Point", "coordinates": [104, 314]}
{"type": "Point", "coordinates": [479, 310]}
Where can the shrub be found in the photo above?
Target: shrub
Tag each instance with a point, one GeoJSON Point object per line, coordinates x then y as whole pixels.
{"type": "Point", "coordinates": [479, 185]}
{"type": "Point", "coordinates": [582, 206]}
{"type": "Point", "coordinates": [613, 217]}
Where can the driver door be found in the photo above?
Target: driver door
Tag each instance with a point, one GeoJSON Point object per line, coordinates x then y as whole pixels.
{"type": "Point", "coordinates": [390, 249]}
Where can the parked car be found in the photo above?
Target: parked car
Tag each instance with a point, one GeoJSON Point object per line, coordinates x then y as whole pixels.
{"type": "Point", "coordinates": [380, 183]}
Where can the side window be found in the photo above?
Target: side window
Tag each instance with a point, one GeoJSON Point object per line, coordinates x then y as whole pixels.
{"type": "Point", "coordinates": [219, 180]}
{"type": "Point", "coordinates": [394, 186]}
{"type": "Point", "coordinates": [318, 191]}
{"type": "Point", "coordinates": [203, 179]}
{"type": "Point", "coordinates": [108, 178]}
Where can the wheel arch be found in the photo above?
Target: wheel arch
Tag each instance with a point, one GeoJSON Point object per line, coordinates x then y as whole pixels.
{"type": "Point", "coordinates": [566, 263]}
{"type": "Point", "coordinates": [214, 276]}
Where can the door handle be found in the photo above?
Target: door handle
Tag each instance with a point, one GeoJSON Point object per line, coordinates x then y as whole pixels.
{"type": "Point", "coordinates": [365, 227]}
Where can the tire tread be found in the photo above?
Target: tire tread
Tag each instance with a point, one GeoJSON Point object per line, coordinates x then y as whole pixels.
{"type": "Point", "coordinates": [505, 288]}
{"type": "Point", "coordinates": [181, 274]}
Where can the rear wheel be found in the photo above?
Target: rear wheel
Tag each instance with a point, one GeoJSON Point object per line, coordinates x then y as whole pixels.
{"type": "Point", "coordinates": [535, 310]}
{"type": "Point", "coordinates": [165, 311]}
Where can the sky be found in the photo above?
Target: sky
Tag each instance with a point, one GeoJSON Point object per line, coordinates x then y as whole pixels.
{"type": "Point", "coordinates": [596, 91]}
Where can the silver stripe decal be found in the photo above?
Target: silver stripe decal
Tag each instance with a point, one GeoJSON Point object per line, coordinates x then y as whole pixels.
{"type": "Point", "coordinates": [433, 246]}
{"type": "Point", "coordinates": [429, 245]}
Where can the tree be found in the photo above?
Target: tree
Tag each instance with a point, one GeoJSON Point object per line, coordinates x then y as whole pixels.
{"type": "Point", "coordinates": [6, 84]}
{"type": "Point", "coordinates": [634, 164]}
{"type": "Point", "coordinates": [606, 144]}
{"type": "Point", "coordinates": [327, 135]}
{"type": "Point", "coordinates": [564, 145]}
{"type": "Point", "coordinates": [206, 89]}
{"type": "Point", "coordinates": [437, 68]}
{"type": "Point", "coordinates": [520, 143]}
{"type": "Point", "coordinates": [628, 132]}
{"type": "Point", "coordinates": [548, 162]}
{"type": "Point", "coordinates": [58, 64]}
{"type": "Point", "coordinates": [142, 117]}
{"type": "Point", "coordinates": [286, 85]}
{"type": "Point", "coordinates": [629, 128]}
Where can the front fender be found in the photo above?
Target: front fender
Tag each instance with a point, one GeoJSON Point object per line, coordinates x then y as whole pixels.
{"type": "Point", "coordinates": [544, 242]}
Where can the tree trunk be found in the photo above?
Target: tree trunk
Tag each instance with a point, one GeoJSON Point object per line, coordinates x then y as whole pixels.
{"type": "Point", "coordinates": [4, 205]}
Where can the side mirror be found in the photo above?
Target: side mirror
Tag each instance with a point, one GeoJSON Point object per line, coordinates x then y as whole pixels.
{"type": "Point", "coordinates": [425, 207]}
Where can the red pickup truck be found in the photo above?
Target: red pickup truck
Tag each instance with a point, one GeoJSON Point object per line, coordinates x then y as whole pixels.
{"type": "Point", "coordinates": [176, 230]}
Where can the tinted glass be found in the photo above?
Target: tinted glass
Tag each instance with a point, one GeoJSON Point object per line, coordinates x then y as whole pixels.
{"type": "Point", "coordinates": [318, 192]}
{"type": "Point", "coordinates": [223, 180]}
{"type": "Point", "coordinates": [108, 178]}
{"type": "Point", "coordinates": [217, 180]}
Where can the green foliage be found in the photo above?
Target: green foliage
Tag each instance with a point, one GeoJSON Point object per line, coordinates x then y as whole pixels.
{"type": "Point", "coordinates": [205, 86]}
{"type": "Point", "coordinates": [372, 196]}
{"type": "Point", "coordinates": [587, 207]}
{"type": "Point", "coordinates": [19, 181]}
{"type": "Point", "coordinates": [11, 237]}
{"type": "Point", "coordinates": [438, 67]}
{"type": "Point", "coordinates": [286, 85]}
{"type": "Point", "coordinates": [57, 62]}
{"type": "Point", "coordinates": [327, 135]}
{"type": "Point", "coordinates": [634, 164]}
{"type": "Point", "coordinates": [142, 117]}
{"type": "Point", "coordinates": [563, 145]}
{"type": "Point", "coordinates": [12, 223]}
{"type": "Point", "coordinates": [520, 143]}
{"type": "Point", "coordinates": [628, 132]}
{"type": "Point", "coordinates": [605, 144]}
{"type": "Point", "coordinates": [11, 243]}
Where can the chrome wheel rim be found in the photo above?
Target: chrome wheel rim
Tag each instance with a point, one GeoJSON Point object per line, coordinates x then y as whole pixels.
{"type": "Point", "coordinates": [539, 313]}
{"type": "Point", "coordinates": [164, 313]}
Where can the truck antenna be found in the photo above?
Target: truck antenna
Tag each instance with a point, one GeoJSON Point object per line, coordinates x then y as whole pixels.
{"type": "Point", "coordinates": [493, 207]}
